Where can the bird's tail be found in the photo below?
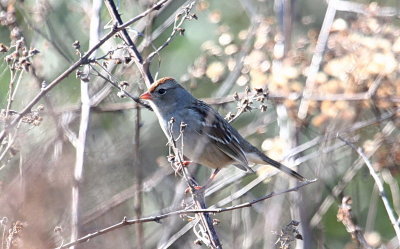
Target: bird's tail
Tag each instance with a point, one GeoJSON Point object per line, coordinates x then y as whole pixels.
{"type": "Point", "coordinates": [279, 166]}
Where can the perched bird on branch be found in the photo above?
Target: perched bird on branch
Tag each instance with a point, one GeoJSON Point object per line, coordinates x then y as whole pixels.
{"type": "Point", "coordinates": [208, 139]}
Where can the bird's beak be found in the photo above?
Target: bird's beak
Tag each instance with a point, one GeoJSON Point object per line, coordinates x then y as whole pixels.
{"type": "Point", "coordinates": [146, 96]}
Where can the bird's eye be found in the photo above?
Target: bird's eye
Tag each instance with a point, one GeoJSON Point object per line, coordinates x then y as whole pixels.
{"type": "Point", "coordinates": [162, 91]}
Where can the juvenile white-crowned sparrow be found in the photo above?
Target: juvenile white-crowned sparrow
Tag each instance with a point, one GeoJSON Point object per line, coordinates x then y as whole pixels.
{"type": "Point", "coordinates": [208, 139]}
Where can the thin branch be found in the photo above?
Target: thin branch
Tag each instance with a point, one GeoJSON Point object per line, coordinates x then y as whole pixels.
{"type": "Point", "coordinates": [179, 21]}
{"type": "Point", "coordinates": [349, 174]}
{"type": "Point", "coordinates": [83, 60]}
{"type": "Point", "coordinates": [83, 125]}
{"type": "Point", "coordinates": [138, 59]}
{"type": "Point", "coordinates": [344, 215]}
{"type": "Point", "coordinates": [158, 218]}
{"type": "Point", "coordinates": [211, 238]}
{"type": "Point", "coordinates": [317, 57]}
{"type": "Point", "coordinates": [138, 179]}
{"type": "Point", "coordinates": [379, 184]}
{"type": "Point", "coordinates": [121, 89]}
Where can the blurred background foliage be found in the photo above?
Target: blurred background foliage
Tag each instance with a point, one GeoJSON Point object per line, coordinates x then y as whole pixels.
{"type": "Point", "coordinates": [229, 47]}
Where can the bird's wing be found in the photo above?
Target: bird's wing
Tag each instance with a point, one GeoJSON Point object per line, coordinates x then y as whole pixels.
{"type": "Point", "coordinates": [219, 132]}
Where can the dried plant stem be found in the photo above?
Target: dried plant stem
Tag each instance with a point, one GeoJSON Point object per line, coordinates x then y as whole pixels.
{"type": "Point", "coordinates": [345, 216]}
{"type": "Point", "coordinates": [138, 180]}
{"type": "Point", "coordinates": [84, 124]}
{"type": "Point", "coordinates": [179, 20]}
{"type": "Point", "coordinates": [197, 195]}
{"type": "Point", "coordinates": [82, 60]}
{"type": "Point", "coordinates": [145, 71]}
{"type": "Point", "coordinates": [379, 184]}
{"type": "Point", "coordinates": [158, 218]}
{"type": "Point", "coordinates": [317, 57]}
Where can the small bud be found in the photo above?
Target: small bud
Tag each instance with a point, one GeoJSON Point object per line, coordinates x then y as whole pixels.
{"type": "Point", "coordinates": [181, 31]}
{"type": "Point", "coordinates": [236, 96]}
{"type": "Point", "coordinates": [3, 48]}
{"type": "Point", "coordinates": [40, 108]}
{"type": "Point", "coordinates": [19, 44]}
{"type": "Point", "coordinates": [121, 94]}
{"type": "Point", "coordinates": [123, 84]}
{"type": "Point", "coordinates": [198, 242]}
{"type": "Point", "coordinates": [263, 108]}
{"type": "Point", "coordinates": [26, 65]}
{"type": "Point", "coordinates": [24, 51]}
{"type": "Point", "coordinates": [118, 61]}
{"type": "Point", "coordinates": [58, 229]}
{"type": "Point", "coordinates": [229, 116]}
{"type": "Point", "coordinates": [216, 222]}
{"type": "Point", "coordinates": [171, 158]}
{"type": "Point", "coordinates": [33, 51]}
{"type": "Point", "coordinates": [261, 99]}
{"type": "Point", "coordinates": [8, 59]}
{"type": "Point", "coordinates": [259, 91]}
{"type": "Point", "coordinates": [127, 59]}
{"type": "Point", "coordinates": [44, 84]}
{"type": "Point", "coordinates": [76, 45]}
{"type": "Point", "coordinates": [182, 127]}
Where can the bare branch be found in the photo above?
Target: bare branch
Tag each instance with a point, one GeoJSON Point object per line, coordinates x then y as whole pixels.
{"type": "Point", "coordinates": [158, 218]}
{"type": "Point", "coordinates": [344, 215]}
{"type": "Point", "coordinates": [83, 60]}
{"type": "Point", "coordinates": [379, 184]}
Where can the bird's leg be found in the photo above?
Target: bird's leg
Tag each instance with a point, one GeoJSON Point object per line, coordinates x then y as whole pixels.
{"type": "Point", "coordinates": [185, 163]}
{"type": "Point", "coordinates": [209, 181]}
{"type": "Point", "coordinates": [211, 178]}
{"type": "Point", "coordinates": [179, 165]}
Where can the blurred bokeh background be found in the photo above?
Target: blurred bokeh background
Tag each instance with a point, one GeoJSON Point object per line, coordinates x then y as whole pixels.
{"type": "Point", "coordinates": [328, 72]}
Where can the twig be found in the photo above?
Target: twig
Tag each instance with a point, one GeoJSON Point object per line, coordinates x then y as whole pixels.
{"type": "Point", "coordinates": [317, 57]}
{"type": "Point", "coordinates": [344, 215]}
{"type": "Point", "coordinates": [211, 238]}
{"type": "Point", "coordinates": [350, 173]}
{"type": "Point", "coordinates": [116, 85]}
{"type": "Point", "coordinates": [158, 218]}
{"type": "Point", "coordinates": [138, 179]}
{"type": "Point", "coordinates": [379, 184]}
{"type": "Point", "coordinates": [83, 60]}
{"type": "Point", "coordinates": [145, 71]}
{"type": "Point", "coordinates": [83, 126]}
{"type": "Point", "coordinates": [298, 96]}
{"type": "Point", "coordinates": [179, 20]}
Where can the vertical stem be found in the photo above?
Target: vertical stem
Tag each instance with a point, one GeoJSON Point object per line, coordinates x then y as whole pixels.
{"type": "Point", "coordinates": [138, 59]}
{"type": "Point", "coordinates": [287, 24]}
{"type": "Point", "coordinates": [317, 57]}
{"type": "Point", "coordinates": [197, 195]}
{"type": "Point", "coordinates": [79, 160]}
{"type": "Point", "coordinates": [138, 180]}
{"type": "Point", "coordinates": [83, 126]}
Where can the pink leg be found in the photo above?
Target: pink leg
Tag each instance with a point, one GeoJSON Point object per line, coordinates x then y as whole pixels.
{"type": "Point", "coordinates": [209, 181]}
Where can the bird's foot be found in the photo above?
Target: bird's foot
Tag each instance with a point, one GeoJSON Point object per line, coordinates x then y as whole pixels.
{"type": "Point", "coordinates": [185, 163]}
{"type": "Point", "coordinates": [182, 164]}
{"type": "Point", "coordinates": [197, 188]}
